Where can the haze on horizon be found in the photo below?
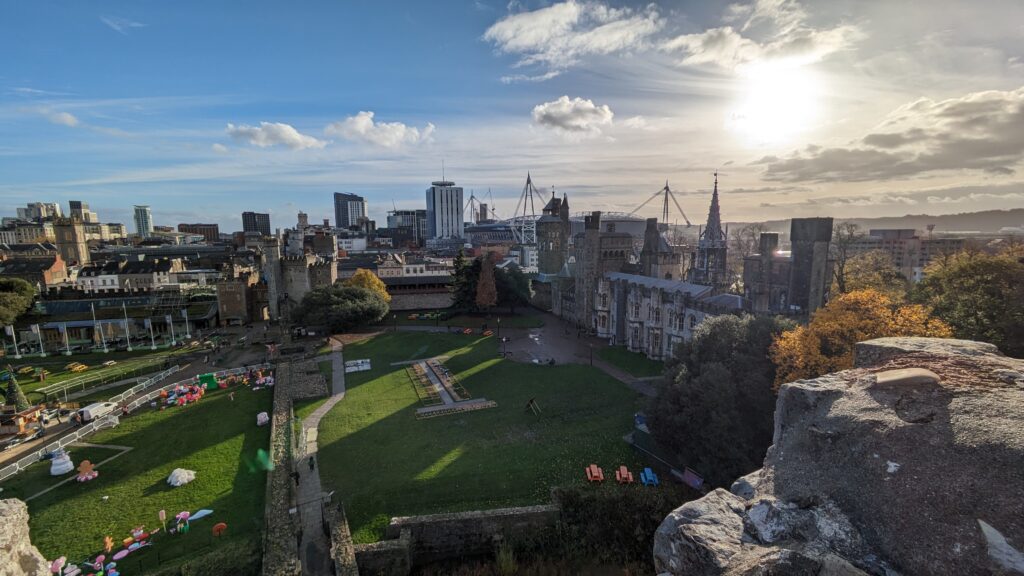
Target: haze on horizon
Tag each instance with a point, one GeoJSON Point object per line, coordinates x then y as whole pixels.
{"type": "Point", "coordinates": [846, 108]}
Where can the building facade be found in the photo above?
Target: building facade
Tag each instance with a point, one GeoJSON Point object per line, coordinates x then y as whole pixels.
{"type": "Point", "coordinates": [910, 253]}
{"type": "Point", "coordinates": [444, 210]}
{"type": "Point", "coordinates": [256, 222]}
{"type": "Point", "coordinates": [81, 211]}
{"type": "Point", "coordinates": [209, 232]}
{"type": "Point", "coordinates": [408, 226]}
{"type": "Point", "coordinates": [348, 209]}
{"type": "Point", "coordinates": [71, 240]}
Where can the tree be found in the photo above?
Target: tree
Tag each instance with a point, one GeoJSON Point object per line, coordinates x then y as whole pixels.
{"type": "Point", "coordinates": [874, 270]}
{"type": "Point", "coordinates": [980, 295]}
{"type": "Point", "coordinates": [715, 408]}
{"type": "Point", "coordinates": [16, 296]}
{"type": "Point", "coordinates": [464, 279]}
{"type": "Point", "coordinates": [844, 236]}
{"type": "Point", "coordinates": [341, 307]}
{"type": "Point", "coordinates": [365, 279]}
{"type": "Point", "coordinates": [486, 288]}
{"type": "Point", "coordinates": [513, 288]}
{"type": "Point", "coordinates": [14, 396]}
{"type": "Point", "coordinates": [826, 344]}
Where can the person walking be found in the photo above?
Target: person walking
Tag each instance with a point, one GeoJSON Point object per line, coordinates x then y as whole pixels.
{"type": "Point", "coordinates": [312, 463]}
{"type": "Point", "coordinates": [295, 476]}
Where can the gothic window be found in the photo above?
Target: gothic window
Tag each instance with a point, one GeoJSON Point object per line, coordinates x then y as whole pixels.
{"type": "Point", "coordinates": [693, 321]}
{"type": "Point", "coordinates": [657, 315]}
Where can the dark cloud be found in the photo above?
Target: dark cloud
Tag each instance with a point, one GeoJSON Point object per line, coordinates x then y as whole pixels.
{"type": "Point", "coordinates": [982, 131]}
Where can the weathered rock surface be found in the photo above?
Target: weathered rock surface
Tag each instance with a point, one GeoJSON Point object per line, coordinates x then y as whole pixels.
{"type": "Point", "coordinates": [869, 477]}
{"type": "Point", "coordinates": [18, 557]}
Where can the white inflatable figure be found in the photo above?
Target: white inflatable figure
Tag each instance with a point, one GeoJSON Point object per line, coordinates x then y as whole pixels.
{"type": "Point", "coordinates": [180, 477]}
{"type": "Point", "coordinates": [61, 464]}
{"type": "Point", "coordinates": [262, 419]}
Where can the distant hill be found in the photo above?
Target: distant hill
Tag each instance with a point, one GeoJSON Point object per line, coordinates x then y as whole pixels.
{"type": "Point", "coordinates": [989, 221]}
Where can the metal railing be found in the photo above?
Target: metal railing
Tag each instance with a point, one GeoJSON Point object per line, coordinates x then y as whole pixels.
{"type": "Point", "coordinates": [112, 420]}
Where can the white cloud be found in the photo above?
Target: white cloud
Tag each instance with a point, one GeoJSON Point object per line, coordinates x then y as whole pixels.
{"type": "Point", "coordinates": [559, 35]}
{"type": "Point", "coordinates": [219, 148]}
{"type": "Point", "coordinates": [784, 33]}
{"type": "Point", "coordinates": [363, 128]}
{"type": "Point", "coordinates": [62, 118]}
{"type": "Point", "coordinates": [577, 116]}
{"type": "Point", "coordinates": [273, 133]}
{"type": "Point", "coordinates": [121, 25]}
{"type": "Point", "coordinates": [980, 131]}
{"type": "Point", "coordinates": [517, 78]}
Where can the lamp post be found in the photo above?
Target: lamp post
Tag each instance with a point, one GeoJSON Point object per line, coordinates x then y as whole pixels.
{"type": "Point", "coordinates": [499, 327]}
{"type": "Point", "coordinates": [591, 354]}
{"type": "Point", "coordinates": [395, 318]}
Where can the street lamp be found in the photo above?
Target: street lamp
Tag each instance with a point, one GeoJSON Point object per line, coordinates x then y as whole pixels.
{"type": "Point", "coordinates": [395, 318]}
{"type": "Point", "coordinates": [499, 327]}
{"type": "Point", "coordinates": [591, 354]}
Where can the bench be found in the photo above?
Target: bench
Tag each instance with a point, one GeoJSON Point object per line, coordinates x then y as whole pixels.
{"type": "Point", "coordinates": [648, 477]}
{"type": "Point", "coordinates": [594, 473]}
{"type": "Point", "coordinates": [623, 475]}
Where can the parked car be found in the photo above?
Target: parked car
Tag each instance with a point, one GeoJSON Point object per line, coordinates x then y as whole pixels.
{"type": "Point", "coordinates": [97, 410]}
{"type": "Point", "coordinates": [11, 442]}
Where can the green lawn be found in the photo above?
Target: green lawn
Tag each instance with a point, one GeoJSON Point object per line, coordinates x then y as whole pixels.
{"type": "Point", "coordinates": [384, 462]}
{"type": "Point", "coordinates": [217, 437]}
{"type": "Point", "coordinates": [635, 363]}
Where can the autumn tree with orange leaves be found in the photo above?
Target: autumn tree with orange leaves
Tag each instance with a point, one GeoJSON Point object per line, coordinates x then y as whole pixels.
{"type": "Point", "coordinates": [826, 344]}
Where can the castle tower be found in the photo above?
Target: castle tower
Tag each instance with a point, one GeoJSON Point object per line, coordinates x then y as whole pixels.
{"type": "Point", "coordinates": [553, 235]}
{"type": "Point", "coordinates": [70, 235]}
{"type": "Point", "coordinates": [272, 275]}
{"type": "Point", "coordinates": [811, 274]}
{"type": "Point", "coordinates": [709, 264]}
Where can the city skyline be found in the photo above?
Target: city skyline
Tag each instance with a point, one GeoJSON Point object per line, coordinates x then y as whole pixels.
{"type": "Point", "coordinates": [813, 108]}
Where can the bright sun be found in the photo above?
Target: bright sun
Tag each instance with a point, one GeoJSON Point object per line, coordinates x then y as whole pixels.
{"type": "Point", "coordinates": [778, 101]}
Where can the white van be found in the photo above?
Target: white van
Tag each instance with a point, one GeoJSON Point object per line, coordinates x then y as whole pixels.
{"type": "Point", "coordinates": [97, 410]}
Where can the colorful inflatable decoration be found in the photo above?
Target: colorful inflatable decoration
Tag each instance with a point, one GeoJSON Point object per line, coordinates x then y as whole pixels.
{"type": "Point", "coordinates": [86, 472]}
{"type": "Point", "coordinates": [108, 544]}
{"type": "Point", "coordinates": [200, 514]}
{"type": "Point", "coordinates": [61, 463]}
{"type": "Point", "coordinates": [262, 419]}
{"type": "Point", "coordinates": [180, 477]}
{"type": "Point", "coordinates": [162, 515]}
{"type": "Point", "coordinates": [57, 565]}
{"type": "Point", "coordinates": [219, 528]}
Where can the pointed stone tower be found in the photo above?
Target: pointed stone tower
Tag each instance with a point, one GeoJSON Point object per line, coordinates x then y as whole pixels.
{"type": "Point", "coordinates": [709, 264]}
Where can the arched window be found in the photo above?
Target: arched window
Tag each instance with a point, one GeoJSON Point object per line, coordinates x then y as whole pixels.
{"type": "Point", "coordinates": [693, 321]}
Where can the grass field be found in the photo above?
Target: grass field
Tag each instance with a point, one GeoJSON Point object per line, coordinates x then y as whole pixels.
{"type": "Point", "coordinates": [384, 462]}
{"type": "Point", "coordinates": [128, 365]}
{"type": "Point", "coordinates": [217, 437]}
{"type": "Point", "coordinates": [635, 363]}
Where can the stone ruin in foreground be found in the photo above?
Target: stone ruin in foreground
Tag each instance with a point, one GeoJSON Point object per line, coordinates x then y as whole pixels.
{"type": "Point", "coordinates": [874, 471]}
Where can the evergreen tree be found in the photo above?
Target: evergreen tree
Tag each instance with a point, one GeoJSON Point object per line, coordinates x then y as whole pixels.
{"type": "Point", "coordinates": [513, 288]}
{"type": "Point", "coordinates": [14, 395]}
{"type": "Point", "coordinates": [486, 288]}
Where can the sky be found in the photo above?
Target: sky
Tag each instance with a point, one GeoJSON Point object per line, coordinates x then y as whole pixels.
{"type": "Point", "coordinates": [844, 108]}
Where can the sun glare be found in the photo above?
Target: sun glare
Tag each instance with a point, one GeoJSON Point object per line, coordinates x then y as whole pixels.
{"type": "Point", "coordinates": [778, 101]}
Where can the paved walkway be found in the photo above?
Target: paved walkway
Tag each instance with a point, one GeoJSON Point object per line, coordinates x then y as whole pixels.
{"type": "Point", "coordinates": [315, 547]}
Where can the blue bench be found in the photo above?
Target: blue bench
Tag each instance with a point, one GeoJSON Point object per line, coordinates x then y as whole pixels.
{"type": "Point", "coordinates": [648, 477]}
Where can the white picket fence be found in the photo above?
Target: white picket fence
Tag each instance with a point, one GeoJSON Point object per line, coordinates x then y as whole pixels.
{"type": "Point", "coordinates": [112, 420]}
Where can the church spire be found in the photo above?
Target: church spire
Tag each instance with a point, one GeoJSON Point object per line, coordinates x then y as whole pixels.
{"type": "Point", "coordinates": [713, 231]}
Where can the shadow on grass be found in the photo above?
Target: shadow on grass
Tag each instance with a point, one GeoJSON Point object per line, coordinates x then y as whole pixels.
{"type": "Point", "coordinates": [502, 456]}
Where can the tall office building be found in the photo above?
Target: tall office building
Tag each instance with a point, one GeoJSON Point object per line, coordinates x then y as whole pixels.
{"type": "Point", "coordinates": [348, 209]}
{"type": "Point", "coordinates": [411, 224]}
{"type": "Point", "coordinates": [256, 222]}
{"type": "Point", "coordinates": [80, 210]}
{"type": "Point", "coordinates": [143, 220]}
{"type": "Point", "coordinates": [444, 210]}
{"type": "Point", "coordinates": [36, 211]}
